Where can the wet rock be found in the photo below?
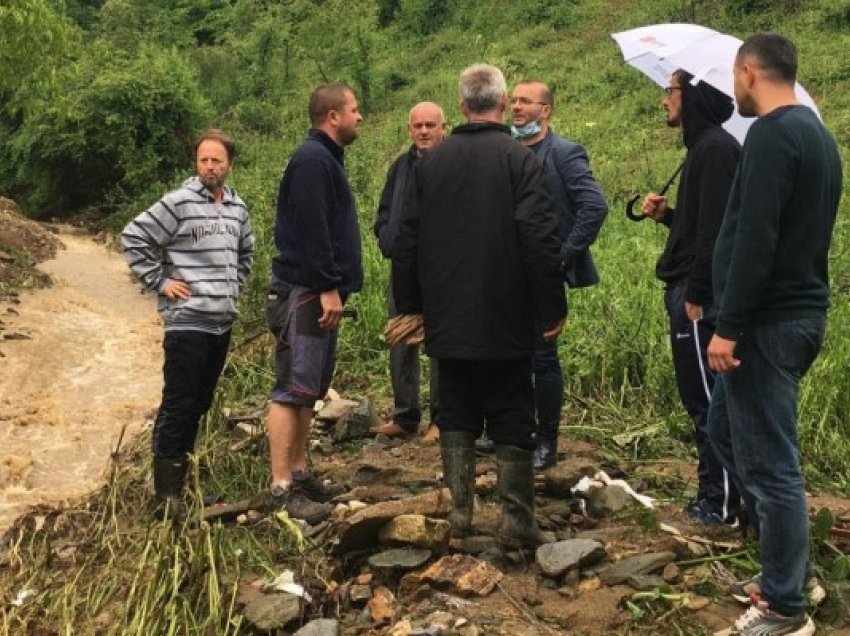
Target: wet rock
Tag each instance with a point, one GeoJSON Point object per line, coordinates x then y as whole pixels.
{"type": "Point", "coordinates": [588, 585]}
{"type": "Point", "coordinates": [335, 409]}
{"type": "Point", "coordinates": [473, 545]}
{"type": "Point", "coordinates": [464, 573]}
{"type": "Point", "coordinates": [417, 530]}
{"type": "Point", "coordinates": [671, 573]}
{"type": "Point", "coordinates": [697, 603]}
{"type": "Point", "coordinates": [608, 500]}
{"type": "Point", "coordinates": [565, 474]}
{"type": "Point", "coordinates": [556, 558]}
{"type": "Point", "coordinates": [620, 571]}
{"type": "Point", "coordinates": [369, 475]}
{"type": "Point", "coordinates": [402, 628]}
{"type": "Point", "coordinates": [557, 508]}
{"type": "Point", "coordinates": [399, 559]}
{"type": "Point", "coordinates": [686, 549]}
{"type": "Point", "coordinates": [356, 423]}
{"type": "Point", "coordinates": [360, 530]}
{"type": "Point", "coordinates": [319, 627]}
{"type": "Point", "coordinates": [272, 611]}
{"type": "Point", "coordinates": [643, 582]}
{"type": "Point", "coordinates": [360, 593]}
{"type": "Point", "coordinates": [382, 605]}
{"type": "Point", "coordinates": [486, 484]}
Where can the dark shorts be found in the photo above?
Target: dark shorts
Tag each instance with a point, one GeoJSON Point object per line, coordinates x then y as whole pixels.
{"type": "Point", "coordinates": [304, 352]}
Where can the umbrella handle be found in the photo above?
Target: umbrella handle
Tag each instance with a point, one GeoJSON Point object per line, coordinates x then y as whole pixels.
{"type": "Point", "coordinates": [631, 204]}
{"type": "Point", "coordinates": [631, 216]}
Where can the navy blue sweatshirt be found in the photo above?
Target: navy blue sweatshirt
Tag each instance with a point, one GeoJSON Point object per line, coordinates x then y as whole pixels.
{"type": "Point", "coordinates": [316, 230]}
{"type": "Point", "coordinates": [770, 259]}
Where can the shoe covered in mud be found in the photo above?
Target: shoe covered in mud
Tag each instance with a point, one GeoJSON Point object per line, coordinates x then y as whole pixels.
{"type": "Point", "coordinates": [306, 482]}
{"type": "Point", "coordinates": [393, 430]}
{"type": "Point", "coordinates": [545, 455]}
{"type": "Point", "coordinates": [742, 591]}
{"type": "Point", "coordinates": [431, 434]}
{"type": "Point", "coordinates": [297, 505]}
{"type": "Point", "coordinates": [760, 620]}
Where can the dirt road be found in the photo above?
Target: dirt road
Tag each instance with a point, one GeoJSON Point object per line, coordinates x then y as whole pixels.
{"type": "Point", "coordinates": [91, 365]}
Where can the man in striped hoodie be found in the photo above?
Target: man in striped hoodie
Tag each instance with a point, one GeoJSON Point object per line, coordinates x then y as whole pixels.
{"type": "Point", "coordinates": [194, 247]}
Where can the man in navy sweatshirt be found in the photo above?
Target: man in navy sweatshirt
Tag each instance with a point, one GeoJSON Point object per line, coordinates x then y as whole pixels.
{"type": "Point", "coordinates": [771, 283]}
{"type": "Point", "coordinates": [317, 267]}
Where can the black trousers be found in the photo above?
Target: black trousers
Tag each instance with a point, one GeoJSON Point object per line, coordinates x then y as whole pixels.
{"type": "Point", "coordinates": [193, 364]}
{"type": "Point", "coordinates": [497, 394]}
{"type": "Point", "coordinates": [404, 374]}
{"type": "Point", "coordinates": [695, 380]}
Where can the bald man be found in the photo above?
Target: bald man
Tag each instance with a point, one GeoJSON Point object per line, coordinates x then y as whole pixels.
{"type": "Point", "coordinates": [426, 126]}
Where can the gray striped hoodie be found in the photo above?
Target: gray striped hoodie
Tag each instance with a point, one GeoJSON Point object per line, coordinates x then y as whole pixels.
{"type": "Point", "coordinates": [187, 236]}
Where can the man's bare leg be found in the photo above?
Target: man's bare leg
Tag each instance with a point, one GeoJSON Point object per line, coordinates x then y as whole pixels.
{"type": "Point", "coordinates": [287, 439]}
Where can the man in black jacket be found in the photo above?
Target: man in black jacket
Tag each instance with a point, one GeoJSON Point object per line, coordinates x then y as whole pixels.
{"type": "Point", "coordinates": [317, 267]}
{"type": "Point", "coordinates": [685, 267]}
{"type": "Point", "coordinates": [426, 126]}
{"type": "Point", "coordinates": [478, 255]}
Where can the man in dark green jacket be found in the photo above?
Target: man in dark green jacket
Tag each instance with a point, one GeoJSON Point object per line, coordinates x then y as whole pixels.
{"type": "Point", "coordinates": [772, 290]}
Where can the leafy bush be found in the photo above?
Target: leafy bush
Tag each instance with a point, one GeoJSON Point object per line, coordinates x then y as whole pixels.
{"type": "Point", "coordinates": [118, 124]}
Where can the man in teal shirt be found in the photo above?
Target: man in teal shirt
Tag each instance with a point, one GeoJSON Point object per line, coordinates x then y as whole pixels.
{"type": "Point", "coordinates": [772, 289]}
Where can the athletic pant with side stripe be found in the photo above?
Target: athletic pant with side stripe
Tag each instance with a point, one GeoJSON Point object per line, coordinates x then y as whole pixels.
{"type": "Point", "coordinates": [689, 342]}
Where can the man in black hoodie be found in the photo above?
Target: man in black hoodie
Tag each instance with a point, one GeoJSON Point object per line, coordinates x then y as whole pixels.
{"type": "Point", "coordinates": [685, 267]}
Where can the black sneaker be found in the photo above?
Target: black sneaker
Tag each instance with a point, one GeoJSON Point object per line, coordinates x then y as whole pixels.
{"type": "Point", "coordinates": [741, 591]}
{"type": "Point", "coordinates": [314, 488]}
{"type": "Point", "coordinates": [299, 506]}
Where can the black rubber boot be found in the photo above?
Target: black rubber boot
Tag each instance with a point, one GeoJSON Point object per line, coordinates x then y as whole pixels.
{"type": "Point", "coordinates": [518, 528]}
{"type": "Point", "coordinates": [458, 452]}
{"type": "Point", "coordinates": [168, 476]}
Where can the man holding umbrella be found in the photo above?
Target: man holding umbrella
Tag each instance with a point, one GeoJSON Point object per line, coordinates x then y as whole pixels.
{"type": "Point", "coordinates": [698, 109]}
{"type": "Point", "coordinates": [771, 282]}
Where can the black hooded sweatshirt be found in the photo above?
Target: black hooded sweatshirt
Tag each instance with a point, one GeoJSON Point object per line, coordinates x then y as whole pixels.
{"type": "Point", "coordinates": [704, 186]}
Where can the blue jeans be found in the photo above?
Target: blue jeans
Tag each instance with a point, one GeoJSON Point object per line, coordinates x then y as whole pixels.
{"type": "Point", "coordinates": [752, 423]}
{"type": "Point", "coordinates": [548, 388]}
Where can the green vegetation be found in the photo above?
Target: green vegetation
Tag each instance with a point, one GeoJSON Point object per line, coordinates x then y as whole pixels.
{"type": "Point", "coordinates": [100, 102]}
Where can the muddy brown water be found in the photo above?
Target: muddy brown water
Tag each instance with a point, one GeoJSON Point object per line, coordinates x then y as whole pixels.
{"type": "Point", "coordinates": [91, 366]}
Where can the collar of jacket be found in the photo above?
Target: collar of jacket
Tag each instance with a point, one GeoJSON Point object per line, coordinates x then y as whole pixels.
{"type": "Point", "coordinates": [323, 138]}
{"type": "Point", "coordinates": [480, 126]}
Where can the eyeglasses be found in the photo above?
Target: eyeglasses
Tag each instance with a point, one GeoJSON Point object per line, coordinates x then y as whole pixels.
{"type": "Point", "coordinates": [669, 89]}
{"type": "Point", "coordinates": [526, 102]}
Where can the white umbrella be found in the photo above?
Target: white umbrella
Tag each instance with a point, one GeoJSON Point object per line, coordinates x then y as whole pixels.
{"type": "Point", "coordinates": [659, 49]}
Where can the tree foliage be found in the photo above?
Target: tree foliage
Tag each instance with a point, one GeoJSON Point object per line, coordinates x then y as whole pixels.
{"type": "Point", "coordinates": [36, 35]}
{"type": "Point", "coordinates": [120, 123]}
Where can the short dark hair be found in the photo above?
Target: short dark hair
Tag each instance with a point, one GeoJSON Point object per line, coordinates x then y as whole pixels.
{"type": "Point", "coordinates": [775, 54]}
{"type": "Point", "coordinates": [215, 134]}
{"type": "Point", "coordinates": [548, 92]}
{"type": "Point", "coordinates": [326, 98]}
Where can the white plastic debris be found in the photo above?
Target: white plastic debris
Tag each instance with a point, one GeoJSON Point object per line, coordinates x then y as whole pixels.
{"type": "Point", "coordinates": [285, 582]}
{"type": "Point", "coordinates": [600, 479]}
{"type": "Point", "coordinates": [21, 596]}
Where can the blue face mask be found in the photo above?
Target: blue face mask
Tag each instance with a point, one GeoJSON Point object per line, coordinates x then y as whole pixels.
{"type": "Point", "coordinates": [524, 132]}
